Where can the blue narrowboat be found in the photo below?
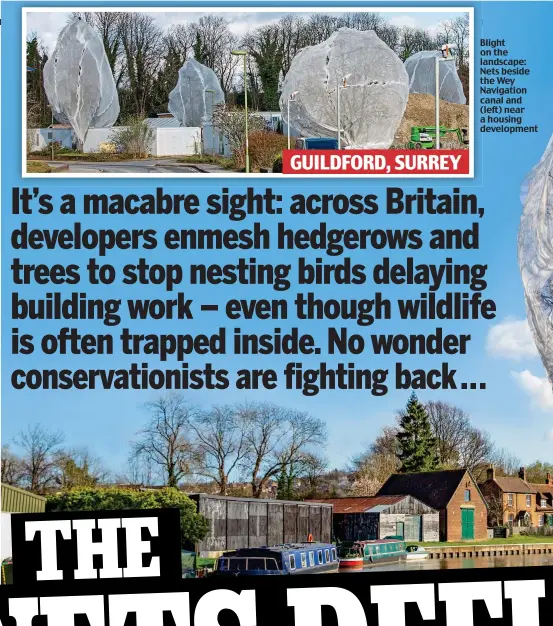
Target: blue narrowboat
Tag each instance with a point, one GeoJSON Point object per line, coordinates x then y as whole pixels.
{"type": "Point", "coordinates": [285, 559]}
{"type": "Point", "coordinates": [371, 552]}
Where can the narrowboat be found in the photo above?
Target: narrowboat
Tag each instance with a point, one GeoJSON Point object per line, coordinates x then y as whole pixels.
{"type": "Point", "coordinates": [371, 552]}
{"type": "Point", "coordinates": [284, 559]}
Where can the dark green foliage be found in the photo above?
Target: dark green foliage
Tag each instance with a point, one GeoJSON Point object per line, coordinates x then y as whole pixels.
{"type": "Point", "coordinates": [417, 445]}
{"type": "Point", "coordinates": [194, 526]}
{"type": "Point", "coordinates": [200, 52]}
{"type": "Point", "coordinates": [39, 114]}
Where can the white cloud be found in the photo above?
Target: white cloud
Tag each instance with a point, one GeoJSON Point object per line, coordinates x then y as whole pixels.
{"type": "Point", "coordinates": [511, 339]}
{"type": "Point", "coordinates": [539, 389]}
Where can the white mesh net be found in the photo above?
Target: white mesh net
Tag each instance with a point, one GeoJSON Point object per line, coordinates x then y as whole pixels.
{"type": "Point", "coordinates": [372, 99]}
{"type": "Point", "coordinates": [78, 80]}
{"type": "Point", "coordinates": [535, 254]}
{"type": "Point", "coordinates": [191, 100]}
{"type": "Point", "coordinates": [421, 68]}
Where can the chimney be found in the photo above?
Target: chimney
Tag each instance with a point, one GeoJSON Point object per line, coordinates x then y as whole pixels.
{"type": "Point", "coordinates": [490, 473]}
{"type": "Point", "coordinates": [548, 480]}
{"type": "Point", "coordinates": [522, 473]}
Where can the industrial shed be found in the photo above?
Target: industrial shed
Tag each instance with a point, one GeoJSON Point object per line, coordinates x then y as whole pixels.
{"type": "Point", "coordinates": [383, 516]}
{"type": "Point", "coordinates": [251, 522]}
{"type": "Point", "coordinates": [14, 500]}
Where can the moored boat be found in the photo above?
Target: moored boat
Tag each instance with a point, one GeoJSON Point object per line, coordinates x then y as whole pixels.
{"type": "Point", "coordinates": [285, 559]}
{"type": "Point", "coordinates": [369, 552]}
{"type": "Point", "coordinates": [416, 553]}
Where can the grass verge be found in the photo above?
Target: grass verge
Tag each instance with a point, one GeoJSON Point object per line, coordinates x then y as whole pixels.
{"type": "Point", "coordinates": [515, 539]}
{"type": "Point", "coordinates": [207, 158]}
{"type": "Point", "coordinates": [39, 167]}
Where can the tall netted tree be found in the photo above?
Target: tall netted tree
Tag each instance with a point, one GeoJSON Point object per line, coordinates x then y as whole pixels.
{"type": "Point", "coordinates": [417, 444]}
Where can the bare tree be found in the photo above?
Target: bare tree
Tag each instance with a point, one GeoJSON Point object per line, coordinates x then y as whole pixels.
{"type": "Point", "coordinates": [164, 442]}
{"type": "Point", "coordinates": [213, 43]}
{"type": "Point", "coordinates": [294, 38]}
{"type": "Point", "coordinates": [220, 438]}
{"type": "Point", "coordinates": [40, 447]}
{"type": "Point", "coordinates": [276, 437]}
{"type": "Point", "coordinates": [450, 426]}
{"type": "Point", "coordinates": [458, 442]}
{"type": "Point", "coordinates": [505, 463]}
{"type": "Point", "coordinates": [413, 40]}
{"type": "Point", "coordinates": [312, 473]}
{"type": "Point", "coordinates": [79, 468]}
{"type": "Point", "coordinates": [143, 47]}
{"type": "Point", "coordinates": [12, 469]}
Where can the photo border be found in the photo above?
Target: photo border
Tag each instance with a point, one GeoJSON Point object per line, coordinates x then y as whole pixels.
{"type": "Point", "coordinates": [239, 9]}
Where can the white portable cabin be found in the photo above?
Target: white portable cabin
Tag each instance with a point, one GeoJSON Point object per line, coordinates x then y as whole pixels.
{"type": "Point", "coordinates": [170, 139]}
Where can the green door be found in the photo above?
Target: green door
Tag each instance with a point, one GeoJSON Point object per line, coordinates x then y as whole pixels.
{"type": "Point", "coordinates": [400, 532]}
{"type": "Point", "coordinates": [467, 524]}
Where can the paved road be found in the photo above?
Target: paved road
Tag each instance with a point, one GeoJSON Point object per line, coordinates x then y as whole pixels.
{"type": "Point", "coordinates": [149, 166]}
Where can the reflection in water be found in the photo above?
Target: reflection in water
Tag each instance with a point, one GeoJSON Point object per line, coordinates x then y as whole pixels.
{"type": "Point", "coordinates": [514, 560]}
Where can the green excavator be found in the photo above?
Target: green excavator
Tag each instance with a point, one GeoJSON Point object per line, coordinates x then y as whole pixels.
{"type": "Point", "coordinates": [424, 137]}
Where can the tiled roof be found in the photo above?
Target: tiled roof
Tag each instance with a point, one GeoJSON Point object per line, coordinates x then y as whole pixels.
{"type": "Point", "coordinates": [433, 488]}
{"type": "Point", "coordinates": [360, 504]}
{"type": "Point", "coordinates": [541, 488]}
{"type": "Point", "coordinates": [513, 484]}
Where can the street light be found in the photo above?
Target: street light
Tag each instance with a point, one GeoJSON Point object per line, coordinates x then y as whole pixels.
{"type": "Point", "coordinates": [244, 53]}
{"type": "Point", "coordinates": [339, 124]}
{"type": "Point", "coordinates": [212, 92]}
{"type": "Point", "coordinates": [290, 99]}
{"type": "Point", "coordinates": [446, 56]}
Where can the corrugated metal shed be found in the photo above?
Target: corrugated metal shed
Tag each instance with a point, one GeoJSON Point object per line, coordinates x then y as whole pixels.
{"type": "Point", "coordinates": [254, 522]}
{"type": "Point", "coordinates": [163, 122]}
{"type": "Point", "coordinates": [360, 504]}
{"type": "Point", "coordinates": [14, 500]}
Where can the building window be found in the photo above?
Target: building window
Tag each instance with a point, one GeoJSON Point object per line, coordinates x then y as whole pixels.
{"type": "Point", "coordinates": [303, 559]}
{"type": "Point", "coordinates": [311, 559]}
{"type": "Point", "coordinates": [511, 519]}
{"type": "Point", "coordinates": [334, 557]}
{"type": "Point", "coordinates": [543, 502]}
{"type": "Point", "coordinates": [467, 495]}
{"type": "Point", "coordinates": [509, 499]}
{"type": "Point", "coordinates": [327, 556]}
{"type": "Point", "coordinates": [528, 500]}
{"type": "Point", "coordinates": [540, 520]}
{"type": "Point", "coordinates": [292, 562]}
{"type": "Point", "coordinates": [320, 556]}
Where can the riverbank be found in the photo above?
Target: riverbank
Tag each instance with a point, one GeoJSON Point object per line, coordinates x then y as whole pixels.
{"type": "Point", "coordinates": [514, 539]}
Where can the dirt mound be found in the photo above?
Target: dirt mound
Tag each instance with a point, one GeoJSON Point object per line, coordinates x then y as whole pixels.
{"type": "Point", "coordinates": [420, 111]}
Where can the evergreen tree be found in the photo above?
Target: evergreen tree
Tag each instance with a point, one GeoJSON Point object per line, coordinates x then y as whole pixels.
{"type": "Point", "coordinates": [199, 49]}
{"type": "Point", "coordinates": [417, 445]}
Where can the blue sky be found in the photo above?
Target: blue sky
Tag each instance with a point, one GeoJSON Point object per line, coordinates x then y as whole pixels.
{"type": "Point", "coordinates": [517, 406]}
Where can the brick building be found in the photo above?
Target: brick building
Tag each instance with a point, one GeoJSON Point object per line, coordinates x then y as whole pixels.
{"type": "Point", "coordinates": [544, 501]}
{"type": "Point", "coordinates": [454, 494]}
{"type": "Point", "coordinates": [512, 500]}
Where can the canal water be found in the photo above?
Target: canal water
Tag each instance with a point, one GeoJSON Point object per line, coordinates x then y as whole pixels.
{"type": "Point", "coordinates": [514, 560]}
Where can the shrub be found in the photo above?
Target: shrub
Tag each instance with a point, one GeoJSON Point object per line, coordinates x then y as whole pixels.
{"type": "Point", "coordinates": [194, 526]}
{"type": "Point", "coordinates": [277, 165]}
{"type": "Point", "coordinates": [265, 147]}
{"type": "Point", "coordinates": [107, 148]}
{"type": "Point", "coordinates": [134, 138]}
